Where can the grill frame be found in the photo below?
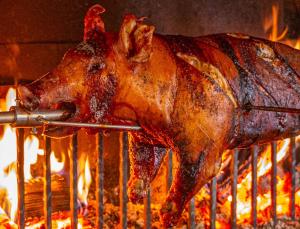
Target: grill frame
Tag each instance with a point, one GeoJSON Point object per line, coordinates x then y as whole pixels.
{"type": "Point", "coordinates": [147, 200]}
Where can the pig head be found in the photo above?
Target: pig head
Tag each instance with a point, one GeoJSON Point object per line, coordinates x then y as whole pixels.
{"type": "Point", "coordinates": [93, 79]}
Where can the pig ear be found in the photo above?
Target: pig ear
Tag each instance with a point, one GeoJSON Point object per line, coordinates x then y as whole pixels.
{"type": "Point", "coordinates": [135, 39]}
{"type": "Point", "coordinates": [93, 22]}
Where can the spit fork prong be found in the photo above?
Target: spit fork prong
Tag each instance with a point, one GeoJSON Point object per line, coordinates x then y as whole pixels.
{"type": "Point", "coordinates": [90, 125]}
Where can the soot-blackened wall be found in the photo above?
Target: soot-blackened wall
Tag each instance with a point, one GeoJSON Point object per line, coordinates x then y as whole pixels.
{"type": "Point", "coordinates": [38, 27]}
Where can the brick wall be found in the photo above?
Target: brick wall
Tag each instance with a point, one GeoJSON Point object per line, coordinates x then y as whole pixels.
{"type": "Point", "coordinates": [38, 26]}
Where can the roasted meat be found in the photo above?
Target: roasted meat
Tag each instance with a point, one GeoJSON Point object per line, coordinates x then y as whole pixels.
{"type": "Point", "coordinates": [195, 95]}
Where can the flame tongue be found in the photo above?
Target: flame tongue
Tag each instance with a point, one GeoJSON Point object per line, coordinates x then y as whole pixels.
{"type": "Point", "coordinates": [8, 156]}
{"type": "Point", "coordinates": [84, 181]}
{"type": "Point", "coordinates": [271, 24]}
{"type": "Point", "coordinates": [8, 177]}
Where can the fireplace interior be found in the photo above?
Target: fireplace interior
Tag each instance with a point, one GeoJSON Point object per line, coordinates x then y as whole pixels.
{"type": "Point", "coordinates": [81, 181]}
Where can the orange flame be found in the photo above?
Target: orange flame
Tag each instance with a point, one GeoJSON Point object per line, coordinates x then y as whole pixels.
{"type": "Point", "coordinates": [283, 201]}
{"type": "Point", "coordinates": [84, 180]}
{"type": "Point", "coordinates": [56, 166]}
{"type": "Point", "coordinates": [271, 24]}
{"type": "Point", "coordinates": [264, 164]}
{"type": "Point", "coordinates": [8, 156]}
{"type": "Point", "coordinates": [8, 177]}
{"type": "Point", "coordinates": [31, 151]}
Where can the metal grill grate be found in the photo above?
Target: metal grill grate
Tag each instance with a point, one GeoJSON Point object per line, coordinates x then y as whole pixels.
{"type": "Point", "coordinates": [147, 201]}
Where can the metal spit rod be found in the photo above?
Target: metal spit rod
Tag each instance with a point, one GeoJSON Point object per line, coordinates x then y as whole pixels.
{"type": "Point", "coordinates": [90, 125]}
{"type": "Point", "coordinates": [21, 118]}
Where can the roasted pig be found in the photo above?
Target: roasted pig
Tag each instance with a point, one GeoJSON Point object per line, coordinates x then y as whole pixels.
{"type": "Point", "coordinates": [195, 95]}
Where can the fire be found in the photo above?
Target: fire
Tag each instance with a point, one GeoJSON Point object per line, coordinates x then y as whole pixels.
{"type": "Point", "coordinates": [283, 202]}
{"type": "Point", "coordinates": [60, 221]}
{"type": "Point", "coordinates": [271, 23]}
{"type": "Point", "coordinates": [56, 166]}
{"type": "Point", "coordinates": [263, 200]}
{"type": "Point", "coordinates": [8, 156]}
{"type": "Point", "coordinates": [84, 181]}
{"type": "Point", "coordinates": [264, 162]}
{"type": "Point", "coordinates": [32, 151]}
{"type": "Point", "coordinates": [264, 197]}
{"type": "Point", "coordinates": [271, 26]}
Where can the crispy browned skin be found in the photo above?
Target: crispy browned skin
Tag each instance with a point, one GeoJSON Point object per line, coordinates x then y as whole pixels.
{"type": "Point", "coordinates": [188, 94]}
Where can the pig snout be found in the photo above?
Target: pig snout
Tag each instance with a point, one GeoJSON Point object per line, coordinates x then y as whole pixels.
{"type": "Point", "coordinates": [27, 98]}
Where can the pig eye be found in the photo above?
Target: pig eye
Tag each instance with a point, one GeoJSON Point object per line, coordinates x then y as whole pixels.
{"type": "Point", "coordinates": [96, 67]}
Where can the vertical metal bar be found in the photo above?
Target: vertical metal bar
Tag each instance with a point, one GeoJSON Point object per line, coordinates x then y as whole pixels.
{"type": "Point", "coordinates": [147, 210]}
{"type": "Point", "coordinates": [47, 185]}
{"type": "Point", "coordinates": [192, 220]}
{"type": "Point", "coordinates": [73, 183]}
{"type": "Point", "coordinates": [213, 203]}
{"type": "Point", "coordinates": [273, 182]}
{"type": "Point", "coordinates": [20, 178]}
{"type": "Point", "coordinates": [169, 169]}
{"type": "Point", "coordinates": [293, 178]}
{"type": "Point", "coordinates": [254, 152]}
{"type": "Point", "coordinates": [123, 178]}
{"type": "Point", "coordinates": [234, 176]}
{"type": "Point", "coordinates": [100, 182]}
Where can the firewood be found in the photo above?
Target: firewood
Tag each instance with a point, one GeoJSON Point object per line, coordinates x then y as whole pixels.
{"type": "Point", "coordinates": [34, 196]}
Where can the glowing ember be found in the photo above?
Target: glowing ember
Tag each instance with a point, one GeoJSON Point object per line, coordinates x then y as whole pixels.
{"type": "Point", "coordinates": [263, 200]}
{"type": "Point", "coordinates": [59, 221]}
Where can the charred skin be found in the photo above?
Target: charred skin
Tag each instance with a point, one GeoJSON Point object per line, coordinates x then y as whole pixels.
{"type": "Point", "coordinates": [258, 72]}
{"type": "Point", "coordinates": [187, 94]}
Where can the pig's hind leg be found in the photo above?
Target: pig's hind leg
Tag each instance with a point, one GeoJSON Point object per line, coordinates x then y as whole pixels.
{"type": "Point", "coordinates": [145, 160]}
{"type": "Point", "coordinates": [190, 176]}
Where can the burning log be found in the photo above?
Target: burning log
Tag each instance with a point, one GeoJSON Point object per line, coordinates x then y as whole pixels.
{"type": "Point", "coordinates": [34, 193]}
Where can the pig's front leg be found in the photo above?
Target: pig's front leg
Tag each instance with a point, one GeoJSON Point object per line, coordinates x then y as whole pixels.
{"type": "Point", "coordinates": [145, 160]}
{"type": "Point", "coordinates": [195, 170]}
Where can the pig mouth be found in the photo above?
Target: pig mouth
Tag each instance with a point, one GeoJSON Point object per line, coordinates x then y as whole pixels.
{"type": "Point", "coordinates": [73, 116]}
{"type": "Point", "coordinates": [77, 114]}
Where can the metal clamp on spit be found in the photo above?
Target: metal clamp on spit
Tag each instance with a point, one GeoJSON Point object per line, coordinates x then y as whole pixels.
{"type": "Point", "coordinates": [20, 118]}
